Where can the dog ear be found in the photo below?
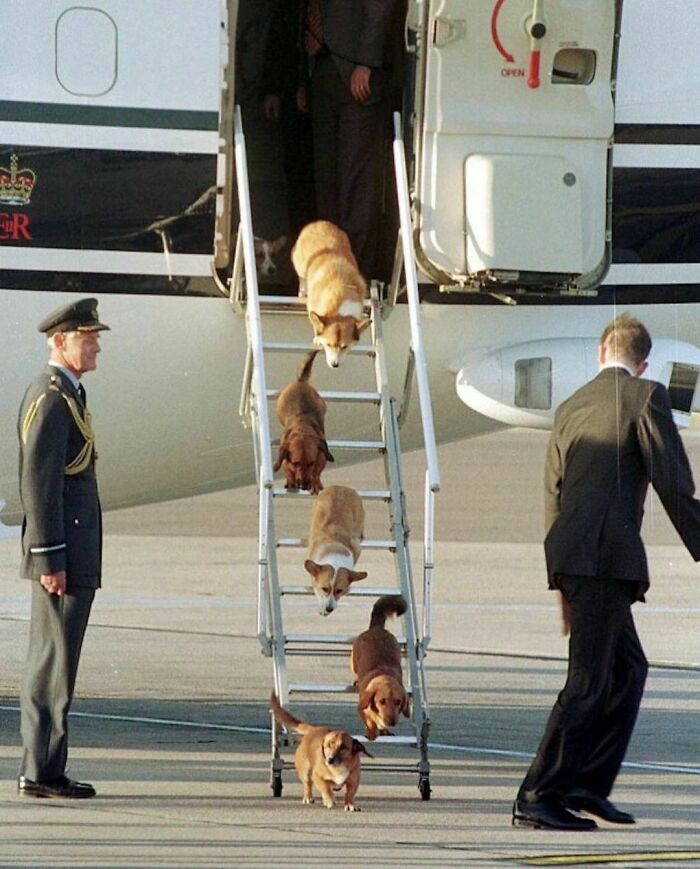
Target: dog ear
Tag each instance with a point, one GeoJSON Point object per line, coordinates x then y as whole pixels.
{"type": "Point", "coordinates": [311, 567]}
{"type": "Point", "coordinates": [360, 327]}
{"type": "Point", "coordinates": [326, 450]}
{"type": "Point", "coordinates": [359, 748]}
{"type": "Point", "coordinates": [406, 705]}
{"type": "Point", "coordinates": [283, 454]}
{"type": "Point", "coordinates": [277, 245]}
{"type": "Point", "coordinates": [366, 700]}
{"type": "Point", "coordinates": [357, 575]}
{"type": "Point", "coordinates": [317, 322]}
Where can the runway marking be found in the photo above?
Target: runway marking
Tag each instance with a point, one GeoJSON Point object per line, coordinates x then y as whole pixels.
{"type": "Point", "coordinates": [621, 857]}
{"type": "Point", "coordinates": [265, 731]}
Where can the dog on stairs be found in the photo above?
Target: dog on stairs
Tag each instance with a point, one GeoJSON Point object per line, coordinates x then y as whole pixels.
{"type": "Point", "coordinates": [334, 288]}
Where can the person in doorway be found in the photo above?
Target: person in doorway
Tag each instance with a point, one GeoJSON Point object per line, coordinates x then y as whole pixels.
{"type": "Point", "coordinates": [611, 439]}
{"type": "Point", "coordinates": [61, 543]}
{"type": "Point", "coordinates": [349, 49]}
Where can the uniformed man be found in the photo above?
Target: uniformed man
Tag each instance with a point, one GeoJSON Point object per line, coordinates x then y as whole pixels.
{"type": "Point", "coordinates": [61, 543]}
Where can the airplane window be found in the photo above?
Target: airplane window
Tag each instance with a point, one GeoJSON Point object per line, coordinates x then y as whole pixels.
{"type": "Point", "coordinates": [533, 383]}
{"type": "Point", "coordinates": [681, 387]}
{"type": "Point", "coordinates": [573, 66]}
{"type": "Point", "coordinates": [86, 52]}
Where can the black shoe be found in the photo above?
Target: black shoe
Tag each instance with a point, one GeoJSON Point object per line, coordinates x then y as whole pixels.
{"type": "Point", "coordinates": [61, 787]}
{"type": "Point", "coordinates": [548, 814]}
{"type": "Point", "coordinates": [582, 800]}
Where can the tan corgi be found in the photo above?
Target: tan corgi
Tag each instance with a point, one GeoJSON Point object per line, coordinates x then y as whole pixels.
{"type": "Point", "coordinates": [329, 759]}
{"type": "Point", "coordinates": [333, 286]}
{"type": "Point", "coordinates": [335, 534]}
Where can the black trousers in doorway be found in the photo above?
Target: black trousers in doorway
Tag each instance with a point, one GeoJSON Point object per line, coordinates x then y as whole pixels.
{"type": "Point", "coordinates": [590, 726]}
{"type": "Point", "coordinates": [350, 148]}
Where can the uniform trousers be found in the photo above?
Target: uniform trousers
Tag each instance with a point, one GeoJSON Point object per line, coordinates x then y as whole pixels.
{"type": "Point", "coordinates": [56, 634]}
{"type": "Point", "coordinates": [350, 142]}
{"type": "Point", "coordinates": [590, 726]}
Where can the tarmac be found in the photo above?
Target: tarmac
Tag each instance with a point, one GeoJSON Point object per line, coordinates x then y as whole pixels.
{"type": "Point", "coordinates": [171, 721]}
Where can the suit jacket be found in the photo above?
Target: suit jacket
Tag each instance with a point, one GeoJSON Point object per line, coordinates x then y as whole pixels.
{"type": "Point", "coordinates": [62, 527]}
{"type": "Point", "coordinates": [359, 33]}
{"type": "Point", "coordinates": [611, 439]}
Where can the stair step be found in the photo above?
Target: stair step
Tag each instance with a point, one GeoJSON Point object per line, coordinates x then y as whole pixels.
{"type": "Point", "coordinates": [288, 542]}
{"type": "Point", "coordinates": [374, 397]}
{"type": "Point", "coordinates": [356, 590]}
{"type": "Point", "coordinates": [286, 301]}
{"type": "Point", "coordinates": [330, 639]}
{"type": "Point", "coordinates": [356, 445]}
{"type": "Point", "coordinates": [297, 347]}
{"type": "Point", "coordinates": [296, 302]}
{"type": "Point", "coordinates": [311, 688]}
{"type": "Point", "coordinates": [365, 494]}
{"type": "Point", "coordinates": [321, 688]}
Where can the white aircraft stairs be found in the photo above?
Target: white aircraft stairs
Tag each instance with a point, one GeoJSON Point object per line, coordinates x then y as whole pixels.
{"type": "Point", "coordinates": [312, 649]}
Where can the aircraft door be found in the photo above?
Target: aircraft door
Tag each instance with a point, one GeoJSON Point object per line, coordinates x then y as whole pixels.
{"type": "Point", "coordinates": [514, 125]}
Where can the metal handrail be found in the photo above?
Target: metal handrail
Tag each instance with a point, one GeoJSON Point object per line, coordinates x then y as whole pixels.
{"type": "Point", "coordinates": [409, 260]}
{"type": "Point", "coordinates": [245, 231]}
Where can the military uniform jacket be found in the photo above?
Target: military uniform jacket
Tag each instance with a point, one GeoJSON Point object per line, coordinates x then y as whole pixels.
{"type": "Point", "coordinates": [611, 439]}
{"type": "Point", "coordinates": [62, 528]}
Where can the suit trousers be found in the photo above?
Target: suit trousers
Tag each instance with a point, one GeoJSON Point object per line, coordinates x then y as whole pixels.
{"type": "Point", "coordinates": [56, 634]}
{"type": "Point", "coordinates": [350, 149]}
{"type": "Point", "coordinates": [590, 726]}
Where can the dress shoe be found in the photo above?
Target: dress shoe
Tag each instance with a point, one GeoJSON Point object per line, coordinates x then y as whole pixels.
{"type": "Point", "coordinates": [61, 787]}
{"type": "Point", "coordinates": [548, 814]}
{"type": "Point", "coordinates": [585, 801]}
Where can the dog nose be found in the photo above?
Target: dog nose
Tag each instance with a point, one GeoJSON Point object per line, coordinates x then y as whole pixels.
{"type": "Point", "coordinates": [335, 364]}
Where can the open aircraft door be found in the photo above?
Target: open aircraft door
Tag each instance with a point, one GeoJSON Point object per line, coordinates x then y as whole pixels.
{"type": "Point", "coordinates": [514, 119]}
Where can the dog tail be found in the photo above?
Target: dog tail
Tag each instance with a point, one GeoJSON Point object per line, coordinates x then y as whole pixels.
{"type": "Point", "coordinates": [306, 366]}
{"type": "Point", "coordinates": [391, 605]}
{"type": "Point", "coordinates": [286, 718]}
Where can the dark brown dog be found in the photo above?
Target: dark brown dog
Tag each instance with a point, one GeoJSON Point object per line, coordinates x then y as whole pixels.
{"type": "Point", "coordinates": [375, 662]}
{"type": "Point", "coordinates": [303, 451]}
{"type": "Point", "coordinates": [326, 758]}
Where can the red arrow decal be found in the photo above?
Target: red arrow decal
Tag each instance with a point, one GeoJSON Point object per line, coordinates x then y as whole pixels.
{"type": "Point", "coordinates": [494, 32]}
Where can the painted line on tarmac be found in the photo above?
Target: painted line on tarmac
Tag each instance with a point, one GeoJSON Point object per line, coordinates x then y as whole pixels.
{"type": "Point", "coordinates": [618, 857]}
{"type": "Point", "coordinates": [543, 656]}
{"type": "Point", "coordinates": [265, 731]}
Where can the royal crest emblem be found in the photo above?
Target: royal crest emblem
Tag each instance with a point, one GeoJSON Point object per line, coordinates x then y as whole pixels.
{"type": "Point", "coordinates": [16, 185]}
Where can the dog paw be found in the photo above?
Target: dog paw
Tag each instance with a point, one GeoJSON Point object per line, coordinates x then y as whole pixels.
{"type": "Point", "coordinates": [328, 804]}
{"type": "Point", "coordinates": [308, 801]}
{"type": "Point", "coordinates": [351, 807]}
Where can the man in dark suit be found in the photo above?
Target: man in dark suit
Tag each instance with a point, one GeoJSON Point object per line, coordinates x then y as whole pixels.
{"type": "Point", "coordinates": [611, 439]}
{"type": "Point", "coordinates": [350, 48]}
{"type": "Point", "coordinates": [61, 543]}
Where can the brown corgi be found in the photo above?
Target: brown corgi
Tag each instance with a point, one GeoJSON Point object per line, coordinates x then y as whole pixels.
{"type": "Point", "coordinates": [335, 534]}
{"type": "Point", "coordinates": [303, 451]}
{"type": "Point", "coordinates": [375, 662]}
{"type": "Point", "coordinates": [333, 286]}
{"type": "Point", "coordinates": [329, 759]}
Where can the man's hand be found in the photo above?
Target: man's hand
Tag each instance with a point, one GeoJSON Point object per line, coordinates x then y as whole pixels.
{"type": "Point", "coordinates": [565, 615]}
{"type": "Point", "coordinates": [271, 107]}
{"type": "Point", "coordinates": [54, 583]}
{"type": "Point", "coordinates": [302, 98]}
{"type": "Point", "coordinates": [359, 83]}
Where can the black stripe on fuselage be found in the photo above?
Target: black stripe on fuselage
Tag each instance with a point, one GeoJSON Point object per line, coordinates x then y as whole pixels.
{"type": "Point", "coordinates": [657, 134]}
{"type": "Point", "coordinates": [107, 116]}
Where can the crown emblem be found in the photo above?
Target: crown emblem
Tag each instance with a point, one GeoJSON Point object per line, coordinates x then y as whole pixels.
{"type": "Point", "coordinates": [16, 185]}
